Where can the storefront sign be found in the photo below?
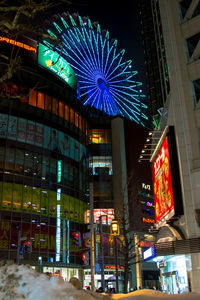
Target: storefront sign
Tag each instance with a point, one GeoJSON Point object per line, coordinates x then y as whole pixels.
{"type": "Point", "coordinates": [147, 220]}
{"type": "Point", "coordinates": [162, 183]}
{"type": "Point", "coordinates": [149, 253]}
{"type": "Point", "coordinates": [18, 44]}
{"type": "Point", "coordinates": [55, 63]}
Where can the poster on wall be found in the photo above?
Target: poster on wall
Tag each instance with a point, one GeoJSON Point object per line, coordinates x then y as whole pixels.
{"type": "Point", "coordinates": [37, 134]}
{"type": "Point", "coordinates": [166, 179]}
{"type": "Point", "coordinates": [162, 184]}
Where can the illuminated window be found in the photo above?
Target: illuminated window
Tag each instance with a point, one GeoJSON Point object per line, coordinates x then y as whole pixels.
{"type": "Point", "coordinates": [71, 115]}
{"type": "Point", "coordinates": [48, 103]}
{"type": "Point", "coordinates": [32, 98]}
{"type": "Point", "coordinates": [76, 119]}
{"type": "Point", "coordinates": [55, 106]}
{"type": "Point", "coordinates": [101, 165]}
{"type": "Point", "coordinates": [67, 112]}
{"type": "Point", "coordinates": [40, 100]}
{"type": "Point", "coordinates": [61, 109]}
{"type": "Point", "coordinates": [80, 122]}
{"type": "Point", "coordinates": [99, 136]}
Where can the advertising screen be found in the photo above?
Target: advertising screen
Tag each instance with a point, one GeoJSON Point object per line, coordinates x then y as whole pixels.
{"type": "Point", "coordinates": [162, 184]}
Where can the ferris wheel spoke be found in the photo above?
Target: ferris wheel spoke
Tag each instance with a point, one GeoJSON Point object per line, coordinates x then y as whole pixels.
{"type": "Point", "coordinates": [106, 79]}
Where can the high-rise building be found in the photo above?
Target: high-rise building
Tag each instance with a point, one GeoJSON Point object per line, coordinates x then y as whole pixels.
{"type": "Point", "coordinates": [175, 38]}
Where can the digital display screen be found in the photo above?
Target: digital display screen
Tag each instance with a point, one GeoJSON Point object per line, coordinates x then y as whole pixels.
{"type": "Point", "coordinates": [162, 184]}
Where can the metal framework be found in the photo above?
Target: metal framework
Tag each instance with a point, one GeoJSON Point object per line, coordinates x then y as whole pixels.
{"type": "Point", "coordinates": [105, 78]}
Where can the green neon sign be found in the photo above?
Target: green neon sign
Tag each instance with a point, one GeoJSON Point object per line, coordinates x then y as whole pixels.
{"type": "Point", "coordinates": [59, 170]}
{"type": "Point", "coordinates": [51, 61]}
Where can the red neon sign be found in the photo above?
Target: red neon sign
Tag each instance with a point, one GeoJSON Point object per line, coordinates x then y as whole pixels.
{"type": "Point", "coordinates": [162, 183]}
{"type": "Point", "coordinates": [18, 44]}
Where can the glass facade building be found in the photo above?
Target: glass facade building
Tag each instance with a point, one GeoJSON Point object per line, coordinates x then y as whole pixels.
{"type": "Point", "coordinates": [43, 169]}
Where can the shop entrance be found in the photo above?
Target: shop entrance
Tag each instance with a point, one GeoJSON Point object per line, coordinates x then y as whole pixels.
{"type": "Point", "coordinates": [170, 282]}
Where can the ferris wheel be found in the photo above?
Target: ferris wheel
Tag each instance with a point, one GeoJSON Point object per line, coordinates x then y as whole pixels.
{"type": "Point", "coordinates": [105, 78]}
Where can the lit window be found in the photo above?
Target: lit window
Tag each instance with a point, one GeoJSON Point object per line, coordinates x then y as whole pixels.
{"type": "Point", "coordinates": [32, 98]}
{"type": "Point", "coordinates": [40, 100]}
{"type": "Point", "coordinates": [61, 109]}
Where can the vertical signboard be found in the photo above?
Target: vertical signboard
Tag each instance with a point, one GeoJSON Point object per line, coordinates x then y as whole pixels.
{"type": "Point", "coordinates": [166, 179]}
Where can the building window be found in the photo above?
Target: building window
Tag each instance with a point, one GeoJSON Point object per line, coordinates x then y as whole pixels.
{"type": "Point", "coordinates": [32, 98]}
{"type": "Point", "coordinates": [48, 103]}
{"type": "Point", "coordinates": [101, 165]}
{"type": "Point", "coordinates": [61, 109]}
{"type": "Point", "coordinates": [55, 106]}
{"type": "Point", "coordinates": [40, 100]}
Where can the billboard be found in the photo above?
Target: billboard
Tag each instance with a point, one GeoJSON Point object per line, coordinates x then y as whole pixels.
{"type": "Point", "coordinates": [166, 179]}
{"type": "Point", "coordinates": [34, 133]}
{"type": "Point", "coordinates": [52, 61]}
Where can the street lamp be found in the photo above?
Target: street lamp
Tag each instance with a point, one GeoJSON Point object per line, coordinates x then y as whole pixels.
{"type": "Point", "coordinates": [114, 230]}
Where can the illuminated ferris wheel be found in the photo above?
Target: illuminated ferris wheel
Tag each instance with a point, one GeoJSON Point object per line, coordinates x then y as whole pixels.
{"type": "Point", "coordinates": [105, 78]}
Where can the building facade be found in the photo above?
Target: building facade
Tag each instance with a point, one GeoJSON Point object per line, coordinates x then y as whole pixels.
{"type": "Point", "coordinates": [180, 39]}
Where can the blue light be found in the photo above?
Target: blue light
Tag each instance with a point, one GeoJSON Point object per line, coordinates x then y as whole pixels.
{"type": "Point", "coordinates": [106, 79]}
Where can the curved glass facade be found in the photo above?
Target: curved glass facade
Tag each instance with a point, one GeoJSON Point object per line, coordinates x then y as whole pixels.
{"type": "Point", "coordinates": [43, 177]}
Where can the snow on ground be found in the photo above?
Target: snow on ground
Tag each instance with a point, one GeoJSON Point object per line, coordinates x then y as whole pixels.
{"type": "Point", "coordinates": [155, 295]}
{"type": "Point", "coordinates": [24, 283]}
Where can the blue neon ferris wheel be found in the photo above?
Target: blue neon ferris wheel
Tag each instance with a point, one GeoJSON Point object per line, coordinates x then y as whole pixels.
{"type": "Point", "coordinates": [105, 78]}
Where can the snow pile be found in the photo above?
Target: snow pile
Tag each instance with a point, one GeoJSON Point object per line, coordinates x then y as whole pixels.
{"type": "Point", "coordinates": [22, 282]}
{"type": "Point", "coordinates": [155, 295]}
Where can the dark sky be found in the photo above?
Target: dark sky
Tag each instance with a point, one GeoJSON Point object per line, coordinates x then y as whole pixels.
{"type": "Point", "coordinates": [121, 19]}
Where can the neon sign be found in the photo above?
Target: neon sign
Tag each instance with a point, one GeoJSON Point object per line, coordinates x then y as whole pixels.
{"type": "Point", "coordinates": [18, 44]}
{"type": "Point", "coordinates": [147, 220]}
{"type": "Point", "coordinates": [55, 63]}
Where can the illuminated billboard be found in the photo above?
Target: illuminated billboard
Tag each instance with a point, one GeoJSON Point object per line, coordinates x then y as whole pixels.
{"type": "Point", "coordinates": [51, 60]}
{"type": "Point", "coordinates": [162, 184]}
{"type": "Point", "coordinates": [106, 213]}
{"type": "Point", "coordinates": [166, 179]}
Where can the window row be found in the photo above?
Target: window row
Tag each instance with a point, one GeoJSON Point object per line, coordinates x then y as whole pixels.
{"type": "Point", "coordinates": [23, 162]}
{"type": "Point", "coordinates": [37, 134]}
{"type": "Point", "coordinates": [38, 236]}
{"type": "Point", "coordinates": [16, 197]}
{"type": "Point", "coordinates": [45, 102]}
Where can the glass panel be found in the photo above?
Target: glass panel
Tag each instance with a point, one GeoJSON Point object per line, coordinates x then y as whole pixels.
{"type": "Point", "coordinates": [67, 112]}
{"type": "Point", "coordinates": [9, 161]}
{"type": "Point", "coordinates": [72, 209]}
{"type": "Point", "coordinates": [76, 119]}
{"type": "Point", "coordinates": [80, 122]}
{"type": "Point", "coordinates": [66, 207]}
{"type": "Point", "coordinates": [55, 106]}
{"type": "Point", "coordinates": [61, 109]}
{"type": "Point", "coordinates": [71, 115]}
{"type": "Point", "coordinates": [47, 103]}
{"type": "Point", "coordinates": [36, 200]}
{"type": "Point", "coordinates": [17, 196]}
{"type": "Point", "coordinates": [27, 198]}
{"type": "Point", "coordinates": [40, 100]}
{"type": "Point", "coordinates": [52, 203]}
{"type": "Point", "coordinates": [7, 196]}
{"type": "Point", "coordinates": [44, 201]}
{"type": "Point", "coordinates": [32, 98]}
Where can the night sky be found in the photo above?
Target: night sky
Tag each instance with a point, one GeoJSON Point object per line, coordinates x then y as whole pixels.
{"type": "Point", "coordinates": [122, 22]}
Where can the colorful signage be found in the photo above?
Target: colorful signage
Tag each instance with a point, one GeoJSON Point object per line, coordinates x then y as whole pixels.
{"type": "Point", "coordinates": [18, 44]}
{"type": "Point", "coordinates": [107, 215]}
{"type": "Point", "coordinates": [162, 184]}
{"type": "Point", "coordinates": [55, 63]}
{"type": "Point", "coordinates": [149, 253]}
{"type": "Point", "coordinates": [33, 133]}
{"type": "Point", "coordinates": [147, 220]}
